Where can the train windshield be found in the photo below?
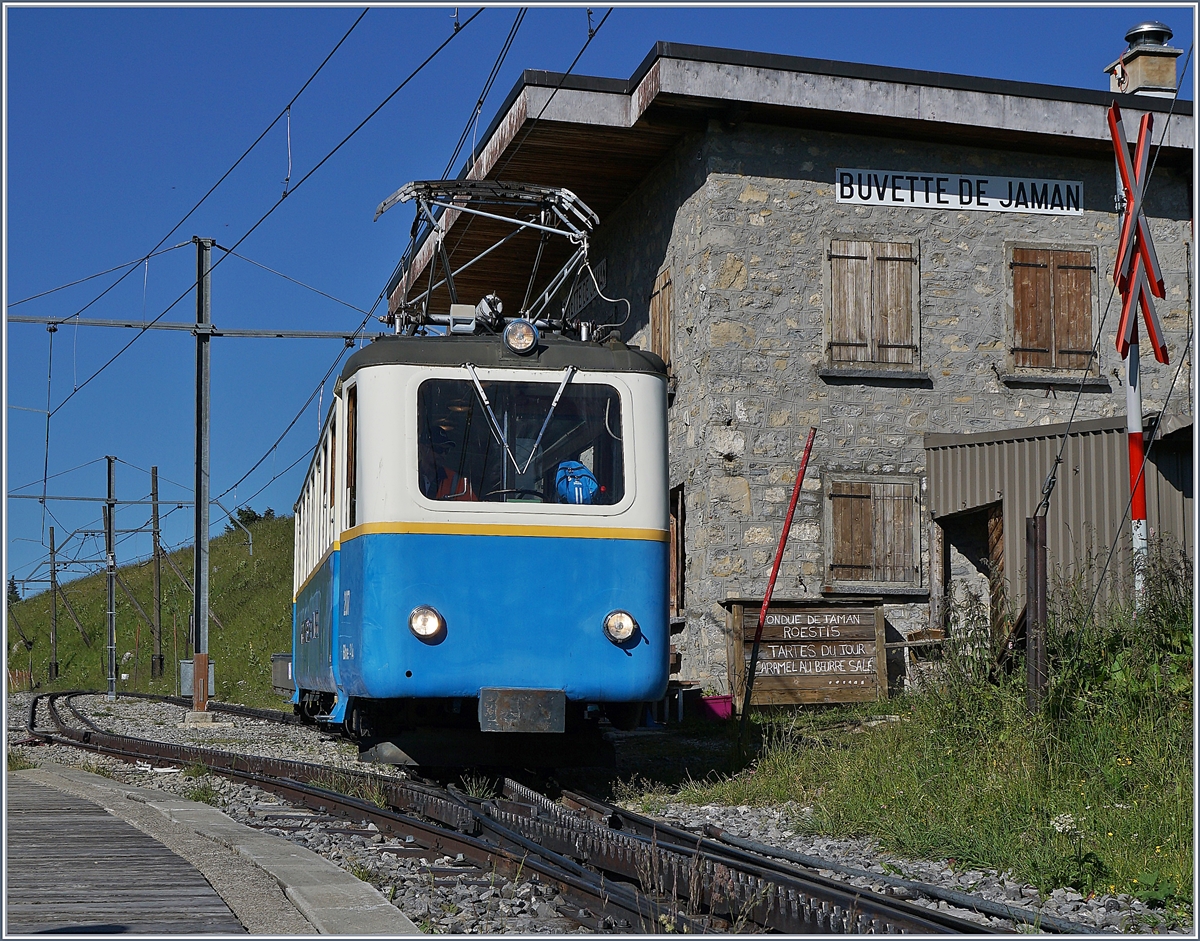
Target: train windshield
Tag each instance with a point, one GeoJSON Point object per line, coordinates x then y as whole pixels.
{"type": "Point", "coordinates": [520, 442]}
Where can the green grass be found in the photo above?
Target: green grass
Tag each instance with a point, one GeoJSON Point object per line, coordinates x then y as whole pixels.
{"type": "Point", "coordinates": [18, 762]}
{"type": "Point", "coordinates": [92, 767]}
{"type": "Point", "coordinates": [368, 788]}
{"type": "Point", "coordinates": [250, 594]}
{"type": "Point", "coordinates": [1095, 791]}
{"type": "Point", "coordinates": [362, 873]}
{"type": "Point", "coordinates": [204, 793]}
{"type": "Point", "coordinates": [479, 786]}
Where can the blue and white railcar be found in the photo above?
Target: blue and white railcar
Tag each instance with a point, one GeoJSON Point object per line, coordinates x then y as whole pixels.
{"type": "Point", "coordinates": [483, 533]}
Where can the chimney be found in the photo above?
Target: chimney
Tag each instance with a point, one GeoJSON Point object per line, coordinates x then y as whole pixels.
{"type": "Point", "coordinates": [1147, 67]}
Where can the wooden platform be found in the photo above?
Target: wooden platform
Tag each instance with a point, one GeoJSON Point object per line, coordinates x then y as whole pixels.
{"type": "Point", "coordinates": [75, 869]}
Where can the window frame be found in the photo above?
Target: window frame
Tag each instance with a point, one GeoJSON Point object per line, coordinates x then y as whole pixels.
{"type": "Point", "coordinates": [874, 339]}
{"type": "Point", "coordinates": [916, 583]}
{"type": "Point", "coordinates": [1011, 352]}
{"type": "Point", "coordinates": [411, 472]}
{"type": "Point", "coordinates": [350, 456]}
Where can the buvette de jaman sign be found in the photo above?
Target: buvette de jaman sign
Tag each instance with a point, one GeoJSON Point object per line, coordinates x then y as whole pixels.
{"type": "Point", "coordinates": [811, 653]}
{"type": "Point", "coordinates": [911, 188]}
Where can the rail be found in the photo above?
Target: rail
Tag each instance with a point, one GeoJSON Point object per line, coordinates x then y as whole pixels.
{"type": "Point", "coordinates": [622, 870]}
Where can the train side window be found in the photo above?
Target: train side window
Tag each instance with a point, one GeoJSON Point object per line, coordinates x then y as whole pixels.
{"type": "Point", "coordinates": [351, 453]}
{"type": "Point", "coordinates": [297, 542]}
{"type": "Point", "coordinates": [536, 446]}
{"type": "Point", "coordinates": [332, 462]}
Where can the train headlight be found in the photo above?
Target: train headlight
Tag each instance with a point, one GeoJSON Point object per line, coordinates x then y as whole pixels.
{"type": "Point", "coordinates": [619, 626]}
{"type": "Point", "coordinates": [521, 336]}
{"type": "Point", "coordinates": [425, 622]}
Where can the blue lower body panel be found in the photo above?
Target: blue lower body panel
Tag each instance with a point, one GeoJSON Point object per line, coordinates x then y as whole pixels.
{"type": "Point", "coordinates": [314, 630]}
{"type": "Point", "coordinates": [520, 612]}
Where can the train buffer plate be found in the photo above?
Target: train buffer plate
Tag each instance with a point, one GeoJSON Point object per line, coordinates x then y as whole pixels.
{"type": "Point", "coordinates": [522, 710]}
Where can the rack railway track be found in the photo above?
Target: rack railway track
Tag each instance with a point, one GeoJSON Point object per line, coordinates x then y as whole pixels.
{"type": "Point", "coordinates": [615, 870]}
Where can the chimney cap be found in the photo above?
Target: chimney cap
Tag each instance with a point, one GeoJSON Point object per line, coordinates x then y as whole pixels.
{"type": "Point", "coordinates": [1149, 33]}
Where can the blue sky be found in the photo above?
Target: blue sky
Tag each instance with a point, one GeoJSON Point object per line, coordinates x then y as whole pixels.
{"type": "Point", "coordinates": [119, 120]}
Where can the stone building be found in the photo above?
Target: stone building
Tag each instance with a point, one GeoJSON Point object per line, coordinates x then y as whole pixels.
{"type": "Point", "coordinates": [883, 254]}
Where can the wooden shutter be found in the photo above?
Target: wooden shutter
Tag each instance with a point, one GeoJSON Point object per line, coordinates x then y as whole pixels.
{"type": "Point", "coordinates": [1071, 283]}
{"type": "Point", "coordinates": [1032, 322]}
{"type": "Point", "coordinates": [850, 327]}
{"type": "Point", "coordinates": [660, 316]}
{"type": "Point", "coordinates": [853, 532]}
{"type": "Point", "coordinates": [873, 532]}
{"type": "Point", "coordinates": [676, 552]}
{"type": "Point", "coordinates": [892, 506]}
{"type": "Point", "coordinates": [892, 277]}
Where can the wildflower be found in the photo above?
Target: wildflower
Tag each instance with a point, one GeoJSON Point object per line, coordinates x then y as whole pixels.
{"type": "Point", "coordinates": [1110, 832]}
{"type": "Point", "coordinates": [1063, 823]}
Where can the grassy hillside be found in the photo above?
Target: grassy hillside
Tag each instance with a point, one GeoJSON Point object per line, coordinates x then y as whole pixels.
{"type": "Point", "coordinates": [251, 595]}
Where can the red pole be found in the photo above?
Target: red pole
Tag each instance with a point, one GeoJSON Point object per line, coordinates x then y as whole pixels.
{"type": "Point", "coordinates": [1137, 479]}
{"type": "Point", "coordinates": [762, 615]}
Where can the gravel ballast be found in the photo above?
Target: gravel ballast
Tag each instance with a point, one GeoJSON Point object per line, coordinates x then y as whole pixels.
{"type": "Point", "coordinates": [441, 894]}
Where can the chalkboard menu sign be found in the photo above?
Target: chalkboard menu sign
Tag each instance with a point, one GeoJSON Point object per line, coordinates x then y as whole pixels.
{"type": "Point", "coordinates": [810, 652]}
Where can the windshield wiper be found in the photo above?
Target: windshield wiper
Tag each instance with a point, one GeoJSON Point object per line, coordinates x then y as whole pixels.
{"type": "Point", "coordinates": [494, 425]}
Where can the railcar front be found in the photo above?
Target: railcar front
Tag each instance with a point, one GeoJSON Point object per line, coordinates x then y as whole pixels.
{"type": "Point", "coordinates": [504, 554]}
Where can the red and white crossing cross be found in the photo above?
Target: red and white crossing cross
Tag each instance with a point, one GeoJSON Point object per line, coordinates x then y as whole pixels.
{"type": "Point", "coordinates": [1137, 271]}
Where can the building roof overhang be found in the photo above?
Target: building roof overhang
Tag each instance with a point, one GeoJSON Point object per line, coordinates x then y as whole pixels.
{"type": "Point", "coordinates": [600, 137]}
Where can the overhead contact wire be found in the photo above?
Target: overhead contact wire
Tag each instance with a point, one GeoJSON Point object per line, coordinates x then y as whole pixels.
{"type": "Point", "coordinates": [320, 386]}
{"type": "Point", "coordinates": [472, 121]}
{"type": "Point", "coordinates": [279, 202]}
{"type": "Point", "coordinates": [487, 87]}
{"type": "Point", "coordinates": [285, 277]}
{"type": "Point", "coordinates": [198, 204]}
{"type": "Point", "coordinates": [571, 68]}
{"type": "Point", "coordinates": [133, 265]}
{"type": "Point", "coordinates": [591, 35]}
{"type": "Point", "coordinates": [98, 274]}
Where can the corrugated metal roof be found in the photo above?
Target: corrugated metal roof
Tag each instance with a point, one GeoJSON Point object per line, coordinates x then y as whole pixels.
{"type": "Point", "coordinates": [1090, 504]}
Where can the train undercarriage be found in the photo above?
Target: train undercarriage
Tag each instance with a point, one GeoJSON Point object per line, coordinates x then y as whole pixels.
{"type": "Point", "coordinates": [446, 732]}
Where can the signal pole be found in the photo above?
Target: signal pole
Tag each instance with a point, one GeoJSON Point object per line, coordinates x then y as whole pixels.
{"type": "Point", "coordinates": [52, 667]}
{"type": "Point", "coordinates": [156, 660]}
{"type": "Point", "coordinates": [203, 336]}
{"type": "Point", "coordinates": [1139, 279]}
{"type": "Point", "coordinates": [1137, 477]}
{"type": "Point", "coordinates": [110, 565]}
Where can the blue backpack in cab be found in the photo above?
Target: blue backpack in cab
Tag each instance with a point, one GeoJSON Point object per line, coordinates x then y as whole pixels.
{"type": "Point", "coordinates": [575, 483]}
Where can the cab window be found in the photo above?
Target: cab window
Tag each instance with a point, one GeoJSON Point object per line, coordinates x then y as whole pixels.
{"type": "Point", "coordinates": [521, 446]}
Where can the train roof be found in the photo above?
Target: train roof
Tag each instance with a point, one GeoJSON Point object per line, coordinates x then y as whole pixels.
{"type": "Point", "coordinates": [553, 352]}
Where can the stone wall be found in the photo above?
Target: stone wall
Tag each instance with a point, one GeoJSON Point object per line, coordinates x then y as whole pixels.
{"type": "Point", "coordinates": [743, 216]}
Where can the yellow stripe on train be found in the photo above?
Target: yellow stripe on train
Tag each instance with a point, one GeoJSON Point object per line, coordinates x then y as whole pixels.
{"type": "Point", "coordinates": [506, 529]}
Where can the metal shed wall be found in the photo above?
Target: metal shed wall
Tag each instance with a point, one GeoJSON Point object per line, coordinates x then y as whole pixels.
{"type": "Point", "coordinates": [1089, 507]}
